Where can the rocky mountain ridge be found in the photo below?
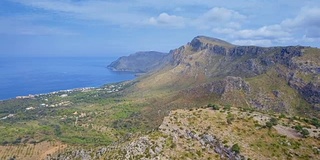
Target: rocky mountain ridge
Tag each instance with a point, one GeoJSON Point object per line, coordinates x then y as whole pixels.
{"type": "Point", "coordinates": [283, 79]}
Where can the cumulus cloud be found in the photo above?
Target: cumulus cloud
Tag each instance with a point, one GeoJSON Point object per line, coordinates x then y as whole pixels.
{"type": "Point", "coordinates": [231, 21]}
{"type": "Point", "coordinates": [165, 19]}
{"type": "Point", "coordinates": [222, 14]}
{"type": "Point", "coordinates": [219, 16]}
{"type": "Point", "coordinates": [307, 21]}
{"type": "Point", "coordinates": [268, 32]}
{"type": "Point", "coordinates": [304, 27]}
{"type": "Point", "coordinates": [260, 42]}
{"type": "Point", "coordinates": [265, 32]}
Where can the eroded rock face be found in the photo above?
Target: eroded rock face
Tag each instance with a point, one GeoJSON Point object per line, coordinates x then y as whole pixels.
{"type": "Point", "coordinates": [228, 84]}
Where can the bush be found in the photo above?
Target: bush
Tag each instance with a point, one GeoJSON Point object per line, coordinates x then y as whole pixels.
{"type": "Point", "coordinates": [298, 128]}
{"type": "Point", "coordinates": [315, 122]}
{"type": "Point", "coordinates": [301, 130]}
{"type": "Point", "coordinates": [235, 148]}
{"type": "Point", "coordinates": [269, 125]}
{"type": "Point", "coordinates": [274, 121]}
{"type": "Point", "coordinates": [213, 106]}
{"type": "Point", "coordinates": [305, 132]}
{"type": "Point", "coordinates": [227, 107]}
{"type": "Point", "coordinates": [230, 118]}
{"type": "Point", "coordinates": [282, 116]}
{"type": "Point", "coordinates": [271, 122]}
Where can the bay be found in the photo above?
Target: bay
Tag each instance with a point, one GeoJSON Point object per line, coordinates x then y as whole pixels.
{"type": "Point", "coordinates": [35, 75]}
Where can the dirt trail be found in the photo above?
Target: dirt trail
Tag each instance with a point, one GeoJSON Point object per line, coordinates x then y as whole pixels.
{"type": "Point", "coordinates": [289, 132]}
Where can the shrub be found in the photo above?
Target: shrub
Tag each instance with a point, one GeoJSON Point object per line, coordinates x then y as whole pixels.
{"type": "Point", "coordinates": [282, 116]}
{"type": "Point", "coordinates": [274, 121]}
{"type": "Point", "coordinates": [298, 128]}
{"type": "Point", "coordinates": [235, 148]}
{"type": "Point", "coordinates": [269, 125]}
{"type": "Point", "coordinates": [230, 118]}
{"type": "Point", "coordinates": [227, 107]}
{"type": "Point", "coordinates": [213, 106]}
{"type": "Point", "coordinates": [315, 122]}
{"type": "Point", "coordinates": [305, 132]}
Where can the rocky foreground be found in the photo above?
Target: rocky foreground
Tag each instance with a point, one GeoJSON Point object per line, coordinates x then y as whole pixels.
{"type": "Point", "coordinates": [226, 133]}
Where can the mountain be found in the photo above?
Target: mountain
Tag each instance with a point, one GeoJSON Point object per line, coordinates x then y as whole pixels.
{"type": "Point", "coordinates": [140, 62]}
{"type": "Point", "coordinates": [282, 79]}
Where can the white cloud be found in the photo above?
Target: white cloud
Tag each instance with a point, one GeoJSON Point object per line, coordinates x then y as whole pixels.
{"type": "Point", "coordinates": [219, 16]}
{"type": "Point", "coordinates": [165, 19]}
{"type": "Point", "coordinates": [222, 15]}
{"type": "Point", "coordinates": [261, 42]}
{"type": "Point", "coordinates": [265, 32]}
{"type": "Point", "coordinates": [307, 22]}
{"type": "Point", "coordinates": [268, 32]}
{"type": "Point", "coordinates": [249, 21]}
{"type": "Point", "coordinates": [304, 27]}
{"type": "Point", "coordinates": [306, 17]}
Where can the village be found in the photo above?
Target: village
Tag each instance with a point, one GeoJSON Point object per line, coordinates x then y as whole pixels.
{"type": "Point", "coordinates": [60, 98]}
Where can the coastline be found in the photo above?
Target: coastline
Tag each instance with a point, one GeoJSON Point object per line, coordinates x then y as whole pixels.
{"type": "Point", "coordinates": [22, 77]}
{"type": "Point", "coordinates": [108, 87]}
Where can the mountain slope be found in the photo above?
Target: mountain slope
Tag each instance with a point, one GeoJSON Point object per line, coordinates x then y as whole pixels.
{"type": "Point", "coordinates": [282, 79]}
{"type": "Point", "coordinates": [140, 62]}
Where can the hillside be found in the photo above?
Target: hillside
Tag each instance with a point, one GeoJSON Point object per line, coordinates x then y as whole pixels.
{"type": "Point", "coordinates": [225, 133]}
{"type": "Point", "coordinates": [140, 62]}
{"type": "Point", "coordinates": [281, 79]}
{"type": "Point", "coordinates": [207, 99]}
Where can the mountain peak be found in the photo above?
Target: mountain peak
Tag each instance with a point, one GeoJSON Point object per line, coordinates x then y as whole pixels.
{"type": "Point", "coordinates": [210, 40]}
{"type": "Point", "coordinates": [204, 40]}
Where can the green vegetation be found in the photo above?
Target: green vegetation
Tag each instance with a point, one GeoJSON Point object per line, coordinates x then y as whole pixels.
{"type": "Point", "coordinates": [315, 122]}
{"type": "Point", "coordinates": [230, 118]}
{"type": "Point", "coordinates": [213, 106]}
{"type": "Point", "coordinates": [304, 132]}
{"type": "Point", "coordinates": [91, 117]}
{"type": "Point", "coordinates": [235, 148]}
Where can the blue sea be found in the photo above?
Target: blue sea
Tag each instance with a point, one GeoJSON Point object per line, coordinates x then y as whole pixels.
{"type": "Point", "coordinates": [24, 76]}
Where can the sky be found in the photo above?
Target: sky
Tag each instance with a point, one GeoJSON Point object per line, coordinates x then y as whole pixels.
{"type": "Point", "coordinates": [122, 27]}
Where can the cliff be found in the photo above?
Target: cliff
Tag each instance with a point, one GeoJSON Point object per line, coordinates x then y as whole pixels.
{"type": "Point", "coordinates": [283, 79]}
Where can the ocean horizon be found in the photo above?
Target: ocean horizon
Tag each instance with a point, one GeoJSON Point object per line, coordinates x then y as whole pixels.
{"type": "Point", "coordinates": [21, 76]}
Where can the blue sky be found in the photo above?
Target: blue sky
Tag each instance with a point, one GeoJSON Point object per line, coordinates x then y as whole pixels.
{"type": "Point", "coordinates": [121, 27]}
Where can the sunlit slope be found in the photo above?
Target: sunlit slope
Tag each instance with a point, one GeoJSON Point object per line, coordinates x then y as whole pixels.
{"type": "Point", "coordinates": [281, 79]}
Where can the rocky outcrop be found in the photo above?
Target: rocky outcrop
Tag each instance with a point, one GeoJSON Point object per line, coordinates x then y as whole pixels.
{"type": "Point", "coordinates": [140, 62]}
{"type": "Point", "coordinates": [228, 84]}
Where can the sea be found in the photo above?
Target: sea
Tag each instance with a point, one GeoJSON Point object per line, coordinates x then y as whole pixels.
{"type": "Point", "coordinates": [37, 75]}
